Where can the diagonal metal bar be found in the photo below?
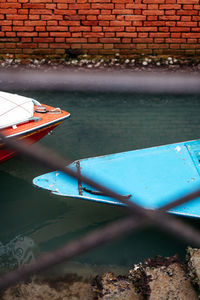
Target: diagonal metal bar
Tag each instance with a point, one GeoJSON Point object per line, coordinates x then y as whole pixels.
{"type": "Point", "coordinates": [113, 81]}
{"type": "Point", "coordinates": [182, 200]}
{"type": "Point", "coordinates": [79, 246]}
{"type": "Point", "coordinates": [53, 162]}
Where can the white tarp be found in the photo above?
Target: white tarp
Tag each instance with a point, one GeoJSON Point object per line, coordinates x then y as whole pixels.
{"type": "Point", "coordinates": [14, 109]}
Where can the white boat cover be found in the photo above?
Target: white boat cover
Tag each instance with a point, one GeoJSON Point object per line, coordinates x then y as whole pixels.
{"type": "Point", "coordinates": [14, 109]}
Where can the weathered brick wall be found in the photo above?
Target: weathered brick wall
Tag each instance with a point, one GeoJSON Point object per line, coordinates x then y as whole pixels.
{"type": "Point", "coordinates": [100, 26]}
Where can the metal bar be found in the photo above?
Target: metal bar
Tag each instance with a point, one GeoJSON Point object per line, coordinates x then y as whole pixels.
{"type": "Point", "coordinates": [181, 200]}
{"type": "Point", "coordinates": [79, 181]}
{"type": "Point", "coordinates": [72, 249]}
{"type": "Point", "coordinates": [112, 81]}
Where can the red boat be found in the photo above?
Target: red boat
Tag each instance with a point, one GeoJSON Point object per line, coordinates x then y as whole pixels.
{"type": "Point", "coordinates": [26, 119]}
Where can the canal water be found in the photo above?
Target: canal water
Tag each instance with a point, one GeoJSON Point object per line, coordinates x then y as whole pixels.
{"type": "Point", "coordinates": [33, 221]}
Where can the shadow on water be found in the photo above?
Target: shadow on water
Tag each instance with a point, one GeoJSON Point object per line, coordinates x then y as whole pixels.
{"type": "Point", "coordinates": [99, 124]}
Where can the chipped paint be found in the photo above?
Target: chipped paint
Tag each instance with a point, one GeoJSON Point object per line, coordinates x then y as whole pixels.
{"type": "Point", "coordinates": [178, 148]}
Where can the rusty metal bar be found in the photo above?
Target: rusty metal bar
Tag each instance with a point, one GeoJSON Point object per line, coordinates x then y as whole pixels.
{"type": "Point", "coordinates": [79, 174]}
{"type": "Point", "coordinates": [125, 81]}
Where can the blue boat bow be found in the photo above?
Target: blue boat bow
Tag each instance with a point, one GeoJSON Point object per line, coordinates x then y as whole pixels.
{"type": "Point", "coordinates": [151, 177]}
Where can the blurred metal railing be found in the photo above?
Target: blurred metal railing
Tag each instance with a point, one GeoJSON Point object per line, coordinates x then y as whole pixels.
{"type": "Point", "coordinates": [140, 217]}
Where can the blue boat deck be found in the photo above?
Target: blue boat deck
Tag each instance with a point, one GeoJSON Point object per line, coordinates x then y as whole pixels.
{"type": "Point", "coordinates": [153, 177]}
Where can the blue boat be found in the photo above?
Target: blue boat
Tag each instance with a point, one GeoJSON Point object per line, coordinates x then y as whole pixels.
{"type": "Point", "coordinates": [152, 177]}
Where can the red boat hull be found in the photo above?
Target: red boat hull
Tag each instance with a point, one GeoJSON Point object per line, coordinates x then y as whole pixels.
{"type": "Point", "coordinates": [31, 137]}
{"type": "Point", "coordinates": [33, 131]}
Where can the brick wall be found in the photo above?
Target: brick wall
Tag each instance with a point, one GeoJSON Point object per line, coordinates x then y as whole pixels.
{"type": "Point", "coordinates": [100, 26]}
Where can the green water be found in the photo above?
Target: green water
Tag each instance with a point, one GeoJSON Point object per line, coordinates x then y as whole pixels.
{"type": "Point", "coordinates": [33, 221]}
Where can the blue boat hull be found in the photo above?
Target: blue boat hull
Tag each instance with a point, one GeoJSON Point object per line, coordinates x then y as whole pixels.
{"type": "Point", "coordinates": [153, 177]}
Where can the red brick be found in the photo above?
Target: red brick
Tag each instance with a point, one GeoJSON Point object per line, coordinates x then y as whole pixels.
{"type": "Point", "coordinates": [179, 29]}
{"type": "Point", "coordinates": [43, 45]}
{"type": "Point", "coordinates": [62, 6]}
{"type": "Point", "coordinates": [186, 18]}
{"type": "Point", "coordinates": [192, 41]}
{"type": "Point", "coordinates": [112, 28]}
{"type": "Point", "coordinates": [188, 24]}
{"type": "Point", "coordinates": [93, 34]}
{"type": "Point", "coordinates": [104, 23]}
{"type": "Point", "coordinates": [109, 40]}
{"type": "Point", "coordinates": [8, 11]}
{"type": "Point", "coordinates": [131, 29]}
{"type": "Point", "coordinates": [27, 34]}
{"type": "Point", "coordinates": [92, 46]}
{"type": "Point", "coordinates": [60, 40]}
{"type": "Point", "coordinates": [92, 40]}
{"type": "Point", "coordinates": [120, 23]}
{"type": "Point", "coordinates": [136, 6]}
{"type": "Point", "coordinates": [78, 28]}
{"type": "Point", "coordinates": [106, 12]}
{"type": "Point", "coordinates": [126, 34]}
{"type": "Point", "coordinates": [106, 17]}
{"type": "Point", "coordinates": [169, 18]}
{"type": "Point", "coordinates": [76, 34]}
{"type": "Point", "coordinates": [135, 18]}
{"type": "Point", "coordinates": [35, 23]}
{"type": "Point", "coordinates": [187, 12]}
{"type": "Point", "coordinates": [10, 34]}
{"type": "Point", "coordinates": [50, 6]}
{"type": "Point", "coordinates": [26, 40]}
{"type": "Point", "coordinates": [57, 45]}
{"type": "Point", "coordinates": [153, 12]}
{"type": "Point", "coordinates": [102, 5]}
{"type": "Point", "coordinates": [69, 23]}
{"type": "Point", "coordinates": [60, 34]}
{"type": "Point", "coordinates": [109, 34]}
{"type": "Point", "coordinates": [64, 12]}
{"type": "Point", "coordinates": [79, 6]}
{"type": "Point", "coordinates": [9, 5]}
{"type": "Point", "coordinates": [17, 17]}
{"type": "Point", "coordinates": [93, 18]}
{"type": "Point", "coordinates": [175, 41]}
{"type": "Point", "coordinates": [159, 40]}
{"type": "Point", "coordinates": [170, 12]}
{"type": "Point", "coordinates": [194, 35]}
{"type": "Point", "coordinates": [159, 34]}
{"type": "Point", "coordinates": [186, 1]}
{"type": "Point", "coordinates": [5, 22]}
{"type": "Point", "coordinates": [53, 23]}
{"type": "Point", "coordinates": [23, 28]}
{"type": "Point", "coordinates": [152, 18]}
{"type": "Point", "coordinates": [76, 40]}
{"type": "Point", "coordinates": [154, 23]}
{"type": "Point", "coordinates": [43, 40]}
{"type": "Point", "coordinates": [153, 1]}
{"type": "Point", "coordinates": [33, 17]}
{"type": "Point", "coordinates": [18, 23]}
{"type": "Point", "coordinates": [122, 12]}
{"type": "Point", "coordinates": [97, 28]}
{"type": "Point", "coordinates": [147, 28]}
{"type": "Point", "coordinates": [40, 28]}
{"type": "Point", "coordinates": [89, 12]}
{"type": "Point", "coordinates": [170, 6]}
{"type": "Point", "coordinates": [34, 5]}
{"type": "Point", "coordinates": [57, 28]}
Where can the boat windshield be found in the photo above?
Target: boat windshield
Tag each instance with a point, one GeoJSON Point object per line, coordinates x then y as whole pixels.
{"type": "Point", "coordinates": [15, 109]}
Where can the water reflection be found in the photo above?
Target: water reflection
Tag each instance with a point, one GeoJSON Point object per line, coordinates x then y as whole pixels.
{"type": "Point", "coordinates": [17, 252]}
{"type": "Point", "coordinates": [99, 124]}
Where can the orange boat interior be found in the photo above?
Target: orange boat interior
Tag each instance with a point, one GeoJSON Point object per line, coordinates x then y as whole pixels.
{"type": "Point", "coordinates": [41, 119]}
